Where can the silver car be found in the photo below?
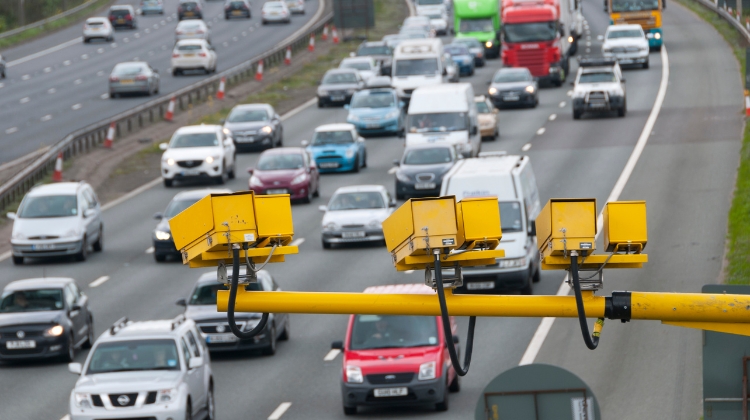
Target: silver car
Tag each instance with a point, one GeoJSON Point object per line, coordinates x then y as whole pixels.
{"type": "Point", "coordinates": [58, 219]}
{"type": "Point", "coordinates": [133, 77]}
{"type": "Point", "coordinates": [98, 27]}
{"type": "Point", "coordinates": [192, 29]}
{"type": "Point", "coordinates": [296, 6]}
{"type": "Point", "coordinates": [275, 11]}
{"type": "Point", "coordinates": [356, 214]}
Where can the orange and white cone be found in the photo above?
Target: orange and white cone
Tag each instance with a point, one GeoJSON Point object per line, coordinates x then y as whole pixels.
{"type": "Point", "coordinates": [335, 35]}
{"type": "Point", "coordinates": [220, 93]}
{"type": "Point", "coordinates": [311, 45]}
{"type": "Point", "coordinates": [170, 110]}
{"type": "Point", "coordinates": [288, 56]}
{"type": "Point", "coordinates": [110, 136]}
{"type": "Point", "coordinates": [259, 71]}
{"type": "Point", "coordinates": [324, 37]}
{"type": "Point", "coordinates": [747, 105]}
{"type": "Point", "coordinates": [57, 175]}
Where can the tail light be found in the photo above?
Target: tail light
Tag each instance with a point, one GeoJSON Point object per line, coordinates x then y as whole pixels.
{"type": "Point", "coordinates": [199, 31]}
{"type": "Point", "coordinates": [128, 17]}
{"type": "Point", "coordinates": [111, 17]}
{"type": "Point", "coordinates": [227, 7]}
{"type": "Point", "coordinates": [113, 78]}
{"type": "Point", "coordinates": [201, 54]}
{"type": "Point", "coordinates": [179, 9]}
{"type": "Point", "coordinates": [141, 77]}
{"type": "Point", "coordinates": [175, 55]}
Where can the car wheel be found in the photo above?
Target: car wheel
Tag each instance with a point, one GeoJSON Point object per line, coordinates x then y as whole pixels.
{"type": "Point", "coordinates": [308, 198]}
{"type": "Point", "coordinates": [175, 72]}
{"type": "Point", "coordinates": [321, 104]}
{"type": "Point", "coordinates": [168, 182]}
{"type": "Point", "coordinates": [17, 260]}
{"type": "Point", "coordinates": [455, 385]}
{"type": "Point", "coordinates": [325, 244]}
{"type": "Point", "coordinates": [85, 40]}
{"type": "Point", "coordinates": [210, 404]}
{"type": "Point", "coordinates": [156, 91]}
{"type": "Point", "coordinates": [364, 160]}
{"type": "Point", "coordinates": [90, 335]}
{"type": "Point", "coordinates": [232, 172]}
{"type": "Point", "coordinates": [317, 189]}
{"type": "Point", "coordinates": [356, 166]}
{"type": "Point", "coordinates": [189, 411]}
{"type": "Point", "coordinates": [222, 178]}
{"type": "Point", "coordinates": [623, 109]}
{"type": "Point", "coordinates": [529, 288]}
{"type": "Point", "coordinates": [537, 276]}
{"type": "Point", "coordinates": [577, 115]}
{"type": "Point", "coordinates": [70, 355]}
{"type": "Point", "coordinates": [160, 257]}
{"type": "Point", "coordinates": [271, 349]}
{"type": "Point", "coordinates": [285, 334]}
{"type": "Point", "coordinates": [443, 405]}
{"type": "Point", "coordinates": [99, 244]}
{"type": "Point", "coordinates": [114, 95]}
{"type": "Point", "coordinates": [226, 17]}
{"type": "Point", "coordinates": [645, 65]}
{"type": "Point", "coordinates": [81, 256]}
{"type": "Point", "coordinates": [350, 411]}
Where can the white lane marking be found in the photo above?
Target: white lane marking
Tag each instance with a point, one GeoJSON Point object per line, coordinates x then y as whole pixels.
{"type": "Point", "coordinates": [234, 38]}
{"type": "Point", "coordinates": [98, 282]}
{"type": "Point", "coordinates": [553, 117]}
{"type": "Point", "coordinates": [44, 52]}
{"type": "Point", "coordinates": [562, 104]}
{"type": "Point", "coordinates": [526, 147]}
{"type": "Point", "coordinates": [66, 63]}
{"type": "Point", "coordinates": [78, 82]}
{"type": "Point", "coordinates": [24, 100]}
{"type": "Point", "coordinates": [569, 93]}
{"type": "Point", "coordinates": [137, 35]}
{"type": "Point", "coordinates": [66, 417]}
{"type": "Point", "coordinates": [299, 109]}
{"type": "Point", "coordinates": [76, 107]}
{"type": "Point", "coordinates": [84, 57]}
{"type": "Point", "coordinates": [126, 40]}
{"type": "Point", "coordinates": [11, 130]}
{"type": "Point", "coordinates": [47, 69]}
{"type": "Point", "coordinates": [331, 355]}
{"type": "Point", "coordinates": [100, 50]}
{"type": "Point", "coordinates": [279, 411]}
{"type": "Point", "coordinates": [136, 58]}
{"type": "Point", "coordinates": [113, 45]}
{"type": "Point", "coordinates": [169, 19]}
{"type": "Point", "coordinates": [244, 33]}
{"type": "Point", "coordinates": [46, 117]}
{"type": "Point", "coordinates": [588, 44]}
{"type": "Point", "coordinates": [150, 250]}
{"type": "Point", "coordinates": [100, 73]}
{"type": "Point", "coordinates": [409, 271]}
{"type": "Point", "coordinates": [2, 85]}
{"type": "Point", "coordinates": [132, 194]}
{"type": "Point", "coordinates": [393, 170]}
{"type": "Point", "coordinates": [297, 242]}
{"type": "Point", "coordinates": [544, 327]}
{"type": "Point", "coordinates": [156, 26]}
{"type": "Point", "coordinates": [104, 96]}
{"type": "Point", "coordinates": [540, 131]}
{"type": "Point", "coordinates": [25, 77]}
{"type": "Point", "coordinates": [147, 30]}
{"type": "Point", "coordinates": [51, 90]}
{"type": "Point", "coordinates": [5, 255]}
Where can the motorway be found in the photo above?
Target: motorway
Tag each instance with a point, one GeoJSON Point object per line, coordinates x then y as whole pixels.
{"type": "Point", "coordinates": [55, 88]}
{"type": "Point", "coordinates": [641, 370]}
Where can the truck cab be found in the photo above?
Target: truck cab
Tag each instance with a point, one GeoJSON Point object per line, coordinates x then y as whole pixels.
{"type": "Point", "coordinates": [479, 19]}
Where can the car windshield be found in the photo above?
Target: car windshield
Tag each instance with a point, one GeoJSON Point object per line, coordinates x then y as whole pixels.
{"type": "Point", "coordinates": [175, 207]}
{"type": "Point", "coordinates": [189, 47]}
{"type": "Point", "coordinates": [205, 294]}
{"type": "Point", "coordinates": [374, 50]}
{"type": "Point", "coordinates": [476, 25]}
{"type": "Point", "coordinates": [428, 2]}
{"type": "Point", "coordinates": [279, 162]}
{"type": "Point", "coordinates": [444, 121]}
{"type": "Point", "coordinates": [31, 300]}
{"type": "Point", "coordinates": [598, 77]}
{"type": "Point", "coordinates": [135, 355]}
{"type": "Point", "coordinates": [194, 140]}
{"type": "Point", "coordinates": [456, 50]}
{"type": "Point", "coordinates": [119, 12]}
{"type": "Point", "coordinates": [530, 32]}
{"type": "Point", "coordinates": [469, 42]}
{"type": "Point", "coordinates": [483, 108]}
{"type": "Point", "coordinates": [634, 5]}
{"type": "Point", "coordinates": [435, 16]}
{"type": "Point", "coordinates": [357, 65]}
{"type": "Point", "coordinates": [128, 69]}
{"type": "Point", "coordinates": [393, 331]}
{"type": "Point", "coordinates": [631, 33]}
{"type": "Point", "coordinates": [357, 201]}
{"type": "Point", "coordinates": [332, 137]}
{"type": "Point", "coordinates": [247, 115]}
{"type": "Point", "coordinates": [373, 100]}
{"type": "Point", "coordinates": [435, 156]}
{"type": "Point", "coordinates": [48, 206]}
{"type": "Point", "coordinates": [416, 67]}
{"type": "Point", "coordinates": [339, 78]}
{"type": "Point", "coordinates": [512, 77]}
{"type": "Point", "coordinates": [510, 216]}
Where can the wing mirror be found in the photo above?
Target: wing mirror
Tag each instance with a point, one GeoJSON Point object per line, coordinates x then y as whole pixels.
{"type": "Point", "coordinates": [455, 339]}
{"type": "Point", "coordinates": [305, 143]}
{"type": "Point", "coordinates": [181, 302]}
{"type": "Point", "coordinates": [338, 345]}
{"type": "Point", "coordinates": [163, 146]}
{"type": "Point", "coordinates": [392, 204]}
{"type": "Point", "coordinates": [323, 208]}
{"type": "Point", "coordinates": [474, 130]}
{"type": "Point", "coordinates": [10, 215]}
{"type": "Point", "coordinates": [88, 213]}
{"type": "Point", "coordinates": [76, 368]}
{"type": "Point", "coordinates": [158, 215]}
{"type": "Point", "coordinates": [396, 162]}
{"type": "Point", "coordinates": [250, 170]}
{"type": "Point", "coordinates": [347, 106]}
{"type": "Point", "coordinates": [195, 362]}
{"type": "Point", "coordinates": [222, 121]}
{"type": "Point", "coordinates": [623, 80]}
{"type": "Point", "coordinates": [532, 228]}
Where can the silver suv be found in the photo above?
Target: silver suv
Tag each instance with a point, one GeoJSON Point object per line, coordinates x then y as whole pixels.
{"type": "Point", "coordinates": [158, 370]}
{"type": "Point", "coordinates": [58, 219]}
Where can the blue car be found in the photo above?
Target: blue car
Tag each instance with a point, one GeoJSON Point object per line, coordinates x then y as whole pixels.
{"type": "Point", "coordinates": [376, 111]}
{"type": "Point", "coordinates": [337, 148]}
{"type": "Point", "coordinates": [152, 7]}
{"type": "Point", "coordinates": [463, 58]}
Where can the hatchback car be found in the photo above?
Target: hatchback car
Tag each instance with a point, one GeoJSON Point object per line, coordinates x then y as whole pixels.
{"type": "Point", "coordinates": [152, 7]}
{"type": "Point", "coordinates": [376, 111]}
{"type": "Point", "coordinates": [395, 360]}
{"type": "Point", "coordinates": [286, 170]}
{"type": "Point", "coordinates": [514, 87]}
{"type": "Point", "coordinates": [198, 151]}
{"type": "Point", "coordinates": [122, 15]}
{"type": "Point", "coordinates": [200, 306]}
{"type": "Point", "coordinates": [192, 29]}
{"type": "Point", "coordinates": [356, 214]}
{"type": "Point", "coordinates": [161, 238]}
{"type": "Point", "coordinates": [475, 48]}
{"type": "Point", "coordinates": [338, 86]}
{"type": "Point", "coordinates": [98, 28]}
{"type": "Point", "coordinates": [55, 220]}
{"type": "Point", "coordinates": [146, 370]}
{"type": "Point", "coordinates": [43, 318]}
{"type": "Point", "coordinates": [367, 67]}
{"type": "Point", "coordinates": [254, 126]}
{"type": "Point", "coordinates": [193, 54]}
{"type": "Point", "coordinates": [275, 11]}
{"type": "Point", "coordinates": [487, 118]}
{"type": "Point", "coordinates": [189, 9]}
{"type": "Point", "coordinates": [463, 59]}
{"type": "Point", "coordinates": [380, 51]}
{"type": "Point", "coordinates": [337, 148]}
{"type": "Point", "coordinates": [133, 77]}
{"type": "Point", "coordinates": [421, 169]}
{"type": "Point", "coordinates": [237, 8]}
{"type": "Point", "coordinates": [296, 6]}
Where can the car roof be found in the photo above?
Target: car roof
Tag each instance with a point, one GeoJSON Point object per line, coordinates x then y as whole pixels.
{"type": "Point", "coordinates": [284, 151]}
{"type": "Point", "coordinates": [467, 40]}
{"type": "Point", "coordinates": [266, 107]}
{"type": "Point", "coordinates": [341, 70]}
{"type": "Point", "coordinates": [409, 289]}
{"type": "Point", "coordinates": [97, 19]}
{"type": "Point", "coordinates": [39, 283]}
{"type": "Point", "coordinates": [374, 43]}
{"type": "Point", "coordinates": [121, 7]}
{"type": "Point", "coordinates": [364, 58]}
{"type": "Point", "coordinates": [273, 3]}
{"type": "Point", "coordinates": [58, 188]}
{"type": "Point", "coordinates": [161, 328]}
{"type": "Point", "coordinates": [335, 127]}
{"type": "Point", "coordinates": [429, 146]}
{"type": "Point", "coordinates": [193, 194]}
{"type": "Point", "coordinates": [203, 128]}
{"type": "Point", "coordinates": [191, 22]}
{"type": "Point", "coordinates": [360, 188]}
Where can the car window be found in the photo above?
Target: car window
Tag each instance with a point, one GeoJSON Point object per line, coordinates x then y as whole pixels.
{"type": "Point", "coordinates": [91, 196]}
{"type": "Point", "coordinates": [598, 77]}
{"type": "Point", "coordinates": [629, 33]}
{"type": "Point", "coordinates": [436, 156]}
{"type": "Point", "coordinates": [393, 331]}
{"type": "Point", "coordinates": [511, 77]}
{"type": "Point", "coordinates": [83, 202]}
{"type": "Point", "coordinates": [373, 100]}
{"type": "Point", "coordinates": [31, 300]}
{"type": "Point", "coordinates": [510, 216]}
{"type": "Point", "coordinates": [90, 202]}
{"type": "Point", "coordinates": [374, 50]}
{"type": "Point", "coordinates": [332, 137]}
{"type": "Point", "coordinates": [357, 201]}
{"type": "Point", "coordinates": [128, 69]}
{"type": "Point", "coordinates": [357, 65]}
{"type": "Point", "coordinates": [185, 352]}
{"type": "Point", "coordinates": [339, 78]}
{"type": "Point", "coordinates": [456, 50]}
{"type": "Point", "coordinates": [193, 344]}
{"type": "Point", "coordinates": [205, 294]}
{"type": "Point", "coordinates": [76, 291]}
{"type": "Point", "coordinates": [189, 47]}
{"type": "Point", "coordinates": [194, 140]}
{"type": "Point", "coordinates": [70, 298]}
{"type": "Point", "coordinates": [247, 115]}
{"type": "Point", "coordinates": [48, 206]}
{"type": "Point", "coordinates": [483, 108]}
{"type": "Point", "coordinates": [135, 355]}
{"type": "Point", "coordinates": [278, 162]}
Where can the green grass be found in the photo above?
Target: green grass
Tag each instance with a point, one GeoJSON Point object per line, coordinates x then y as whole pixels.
{"type": "Point", "coordinates": [738, 233]}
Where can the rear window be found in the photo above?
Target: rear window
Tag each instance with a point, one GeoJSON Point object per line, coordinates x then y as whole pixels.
{"type": "Point", "coordinates": [336, 78]}
{"type": "Point", "coordinates": [374, 50]}
{"type": "Point", "coordinates": [128, 69]}
{"type": "Point", "coordinates": [190, 47]}
{"type": "Point", "coordinates": [189, 4]}
{"type": "Point", "coordinates": [393, 331]}
{"type": "Point", "coordinates": [119, 12]}
{"type": "Point", "coordinates": [94, 22]}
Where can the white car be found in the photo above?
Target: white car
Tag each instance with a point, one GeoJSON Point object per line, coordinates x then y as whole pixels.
{"type": "Point", "coordinates": [356, 214]}
{"type": "Point", "coordinates": [627, 44]}
{"type": "Point", "coordinates": [367, 67]}
{"type": "Point", "coordinates": [147, 370]}
{"type": "Point", "coordinates": [275, 11]}
{"type": "Point", "coordinates": [198, 151]}
{"type": "Point", "coordinates": [98, 27]}
{"type": "Point", "coordinates": [438, 21]}
{"type": "Point", "coordinates": [57, 219]}
{"type": "Point", "coordinates": [296, 6]}
{"type": "Point", "coordinates": [599, 88]}
{"type": "Point", "coordinates": [192, 29]}
{"type": "Point", "coordinates": [193, 54]}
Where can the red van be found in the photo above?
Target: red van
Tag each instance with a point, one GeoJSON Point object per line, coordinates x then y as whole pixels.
{"type": "Point", "coordinates": [396, 360]}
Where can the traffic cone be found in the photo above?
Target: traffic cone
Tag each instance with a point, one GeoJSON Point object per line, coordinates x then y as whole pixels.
{"type": "Point", "coordinates": [110, 136]}
{"type": "Point", "coordinates": [220, 93]}
{"type": "Point", "coordinates": [324, 37]}
{"type": "Point", "coordinates": [311, 45]}
{"type": "Point", "coordinates": [57, 175]}
{"type": "Point", "coordinates": [259, 71]}
{"type": "Point", "coordinates": [170, 110]}
{"type": "Point", "coordinates": [747, 105]}
{"type": "Point", "coordinates": [335, 35]}
{"type": "Point", "coordinates": [288, 57]}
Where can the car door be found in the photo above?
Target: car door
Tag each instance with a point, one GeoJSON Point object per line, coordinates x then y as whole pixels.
{"type": "Point", "coordinates": [228, 146]}
{"type": "Point", "coordinates": [193, 377]}
{"type": "Point", "coordinates": [96, 214]}
{"type": "Point", "coordinates": [196, 350]}
{"type": "Point", "coordinates": [86, 217]}
{"type": "Point", "coordinates": [76, 316]}
{"type": "Point", "coordinates": [313, 168]}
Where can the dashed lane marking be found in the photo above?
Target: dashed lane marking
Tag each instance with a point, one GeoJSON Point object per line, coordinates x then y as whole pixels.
{"type": "Point", "coordinates": [78, 82]}
{"type": "Point", "coordinates": [84, 57]}
{"type": "Point", "coordinates": [98, 282]}
{"type": "Point", "coordinates": [11, 130]}
{"type": "Point", "coordinates": [51, 90]}
{"type": "Point", "coordinates": [526, 147]}
{"type": "Point", "coordinates": [540, 131]}
{"type": "Point", "coordinates": [104, 96]}
{"type": "Point", "coordinates": [279, 411]}
{"type": "Point", "coordinates": [47, 69]}
{"type": "Point", "coordinates": [569, 93]}
{"type": "Point", "coordinates": [76, 107]}
{"type": "Point", "coordinates": [297, 242]}
{"type": "Point", "coordinates": [46, 117]}
{"type": "Point", "coordinates": [25, 77]}
{"type": "Point", "coordinates": [552, 117]}
{"type": "Point", "coordinates": [562, 104]}
{"type": "Point", "coordinates": [25, 100]}
{"type": "Point", "coordinates": [331, 355]}
{"type": "Point", "coordinates": [66, 63]}
{"type": "Point", "coordinates": [150, 250]}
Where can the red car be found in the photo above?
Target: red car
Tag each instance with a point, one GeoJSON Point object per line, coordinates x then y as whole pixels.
{"type": "Point", "coordinates": [286, 170]}
{"type": "Point", "coordinates": [396, 360]}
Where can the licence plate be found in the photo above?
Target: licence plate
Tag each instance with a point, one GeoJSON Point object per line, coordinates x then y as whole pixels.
{"type": "Point", "coordinates": [120, 20]}
{"type": "Point", "coordinates": [191, 172]}
{"type": "Point", "coordinates": [480, 285]}
{"type": "Point", "coordinates": [276, 191]}
{"type": "Point", "coordinates": [328, 165]}
{"type": "Point", "coordinates": [597, 105]}
{"type": "Point", "coordinates": [95, 29]}
{"type": "Point", "coordinates": [22, 344]}
{"type": "Point", "coordinates": [188, 13]}
{"type": "Point", "coordinates": [338, 98]}
{"type": "Point", "coordinates": [372, 125]}
{"type": "Point", "coordinates": [236, 12]}
{"type": "Point", "coordinates": [424, 185]}
{"type": "Point", "coordinates": [511, 98]}
{"type": "Point", "coordinates": [352, 234]}
{"type": "Point", "coordinates": [188, 55]}
{"type": "Point", "coordinates": [42, 247]}
{"type": "Point", "coordinates": [221, 338]}
{"type": "Point", "coordinates": [126, 81]}
{"type": "Point", "coordinates": [391, 392]}
{"type": "Point", "coordinates": [243, 139]}
{"type": "Point", "coordinates": [626, 61]}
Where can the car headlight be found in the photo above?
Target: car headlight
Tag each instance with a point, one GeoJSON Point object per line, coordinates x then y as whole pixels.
{"type": "Point", "coordinates": [255, 181]}
{"type": "Point", "coordinates": [402, 177]}
{"type": "Point", "coordinates": [267, 129]}
{"type": "Point", "coordinates": [657, 35]}
{"type": "Point", "coordinates": [375, 224]}
{"type": "Point", "coordinates": [488, 44]}
{"type": "Point", "coordinates": [54, 331]}
{"type": "Point", "coordinates": [330, 226]}
{"type": "Point", "coordinates": [170, 162]}
{"type": "Point", "coordinates": [554, 69]}
{"type": "Point", "coordinates": [322, 92]}
{"type": "Point", "coordinates": [299, 178]}
{"type": "Point", "coordinates": [350, 153]}
{"type": "Point", "coordinates": [354, 374]}
{"type": "Point", "coordinates": [162, 235]}
{"type": "Point", "coordinates": [83, 399]}
{"type": "Point", "coordinates": [512, 262]}
{"type": "Point", "coordinates": [493, 91]}
{"type": "Point", "coordinates": [227, 131]}
{"type": "Point", "coordinates": [211, 159]}
{"type": "Point", "coordinates": [529, 89]}
{"type": "Point", "coordinates": [352, 117]}
{"type": "Point", "coordinates": [427, 371]}
{"type": "Point", "coordinates": [18, 235]}
{"type": "Point", "coordinates": [167, 395]}
{"type": "Point", "coordinates": [393, 114]}
{"type": "Point", "coordinates": [250, 324]}
{"type": "Point", "coordinates": [71, 233]}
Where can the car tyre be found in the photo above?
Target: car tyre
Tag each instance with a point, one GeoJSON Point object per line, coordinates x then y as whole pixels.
{"type": "Point", "coordinates": [623, 109]}
{"type": "Point", "coordinates": [232, 172]}
{"type": "Point", "coordinates": [537, 276]}
{"type": "Point", "coordinates": [168, 182]}
{"type": "Point", "coordinates": [364, 160]}
{"type": "Point", "coordinates": [176, 72]}
{"type": "Point", "coordinates": [160, 257]}
{"type": "Point", "coordinates": [350, 411]}
{"type": "Point", "coordinates": [86, 40]}
{"type": "Point", "coordinates": [321, 104]}
{"type": "Point", "coordinates": [577, 114]}
{"type": "Point", "coordinates": [90, 335]}
{"type": "Point", "coordinates": [99, 244]}
{"type": "Point", "coordinates": [17, 260]}
{"type": "Point", "coordinates": [356, 166]}
{"type": "Point", "coordinates": [443, 405]}
{"type": "Point", "coordinates": [285, 334]}
{"type": "Point", "coordinates": [270, 350]}
{"type": "Point", "coordinates": [325, 244]}
{"type": "Point", "coordinates": [84, 253]}
{"type": "Point", "coordinates": [308, 198]}
{"type": "Point", "coordinates": [210, 404]}
{"type": "Point", "coordinates": [529, 288]}
{"type": "Point", "coordinates": [189, 411]}
{"type": "Point", "coordinates": [69, 355]}
{"type": "Point", "coordinates": [455, 385]}
{"type": "Point", "coordinates": [645, 65]}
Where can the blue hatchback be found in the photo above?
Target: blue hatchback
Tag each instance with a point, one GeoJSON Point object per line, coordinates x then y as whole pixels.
{"type": "Point", "coordinates": [338, 148]}
{"type": "Point", "coordinates": [376, 111]}
{"type": "Point", "coordinates": [152, 7]}
{"type": "Point", "coordinates": [463, 58]}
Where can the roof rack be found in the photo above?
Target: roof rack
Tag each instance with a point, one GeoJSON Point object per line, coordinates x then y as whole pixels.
{"type": "Point", "coordinates": [118, 325]}
{"type": "Point", "coordinates": [596, 62]}
{"type": "Point", "coordinates": [179, 319]}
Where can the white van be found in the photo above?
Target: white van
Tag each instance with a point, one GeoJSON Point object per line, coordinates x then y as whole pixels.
{"type": "Point", "coordinates": [444, 114]}
{"type": "Point", "coordinates": [418, 62]}
{"type": "Point", "coordinates": [430, 7]}
{"type": "Point", "coordinates": [512, 181]}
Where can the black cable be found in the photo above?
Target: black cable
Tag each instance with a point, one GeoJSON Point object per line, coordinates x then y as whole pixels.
{"type": "Point", "coordinates": [591, 341]}
{"type": "Point", "coordinates": [232, 298]}
{"type": "Point", "coordinates": [447, 326]}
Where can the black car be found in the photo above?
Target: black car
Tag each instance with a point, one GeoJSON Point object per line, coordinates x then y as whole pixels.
{"type": "Point", "coordinates": [162, 236]}
{"type": "Point", "coordinates": [254, 126]}
{"type": "Point", "coordinates": [380, 51]}
{"type": "Point", "coordinates": [43, 318]}
{"type": "Point", "coordinates": [237, 8]}
{"type": "Point", "coordinates": [421, 169]}
{"type": "Point", "coordinates": [122, 16]}
{"type": "Point", "coordinates": [213, 326]}
{"type": "Point", "coordinates": [189, 9]}
{"type": "Point", "coordinates": [338, 86]}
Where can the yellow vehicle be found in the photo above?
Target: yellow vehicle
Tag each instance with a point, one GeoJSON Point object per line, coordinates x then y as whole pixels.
{"type": "Point", "coordinates": [646, 13]}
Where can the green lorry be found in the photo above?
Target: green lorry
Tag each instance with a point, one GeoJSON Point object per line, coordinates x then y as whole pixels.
{"type": "Point", "coordinates": [479, 19]}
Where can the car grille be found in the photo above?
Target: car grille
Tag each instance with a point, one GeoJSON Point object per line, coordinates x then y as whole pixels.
{"type": "Point", "coordinates": [212, 328]}
{"type": "Point", "coordinates": [42, 237]}
{"type": "Point", "coordinates": [408, 91]}
{"type": "Point", "coordinates": [597, 97]}
{"type": "Point", "coordinates": [371, 118]}
{"type": "Point", "coordinates": [189, 163]}
{"type": "Point", "coordinates": [511, 92]}
{"type": "Point", "coordinates": [391, 378]}
{"type": "Point", "coordinates": [151, 397]}
{"type": "Point", "coordinates": [533, 60]}
{"type": "Point", "coordinates": [328, 157]}
{"type": "Point", "coordinates": [131, 399]}
{"type": "Point", "coordinates": [97, 400]}
{"type": "Point", "coordinates": [425, 177]}
{"type": "Point", "coordinates": [625, 49]}
{"type": "Point", "coordinates": [352, 226]}
{"type": "Point", "coordinates": [10, 332]}
{"type": "Point", "coordinates": [337, 93]}
{"type": "Point", "coordinates": [21, 352]}
{"type": "Point", "coordinates": [246, 133]}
